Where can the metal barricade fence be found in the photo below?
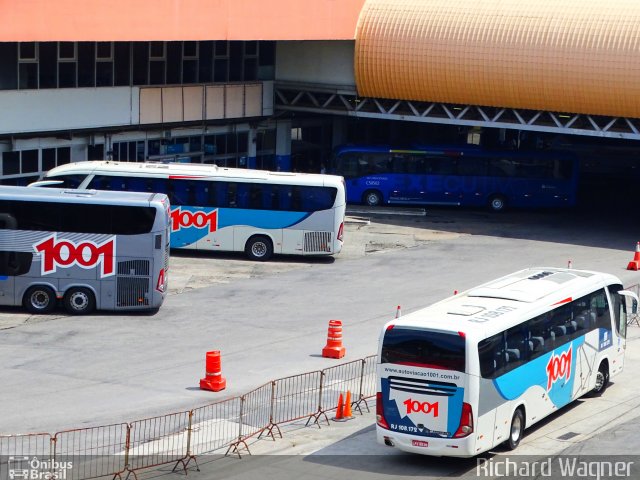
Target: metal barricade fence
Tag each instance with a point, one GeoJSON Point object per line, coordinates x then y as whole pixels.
{"type": "Point", "coordinates": [112, 450]}
{"type": "Point", "coordinates": [369, 385]}
{"type": "Point", "coordinates": [633, 316]}
{"type": "Point", "coordinates": [159, 440]}
{"type": "Point", "coordinates": [256, 411]}
{"type": "Point", "coordinates": [296, 397]}
{"type": "Point", "coordinates": [340, 380]}
{"type": "Point", "coordinates": [214, 426]}
{"type": "Point", "coordinates": [22, 454]}
{"type": "Point", "coordinates": [92, 452]}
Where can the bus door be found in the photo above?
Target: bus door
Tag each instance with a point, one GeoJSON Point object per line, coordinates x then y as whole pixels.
{"type": "Point", "coordinates": [625, 309]}
{"type": "Point", "coordinates": [441, 185]}
{"type": "Point", "coordinates": [422, 383]}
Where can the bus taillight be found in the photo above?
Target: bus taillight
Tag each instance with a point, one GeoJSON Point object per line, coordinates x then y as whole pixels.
{"type": "Point", "coordinates": [340, 231]}
{"type": "Point", "coordinates": [466, 422]}
{"type": "Point", "coordinates": [380, 412]}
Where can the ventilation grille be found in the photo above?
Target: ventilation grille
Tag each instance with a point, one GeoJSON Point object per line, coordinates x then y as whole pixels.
{"type": "Point", "coordinates": [134, 268]}
{"type": "Point", "coordinates": [320, 242]}
{"type": "Point", "coordinates": [133, 283]}
{"type": "Point", "coordinates": [132, 292]}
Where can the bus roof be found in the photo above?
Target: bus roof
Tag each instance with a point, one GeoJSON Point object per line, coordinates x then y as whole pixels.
{"type": "Point", "coordinates": [79, 196]}
{"type": "Point", "coordinates": [193, 171]}
{"type": "Point", "coordinates": [494, 306]}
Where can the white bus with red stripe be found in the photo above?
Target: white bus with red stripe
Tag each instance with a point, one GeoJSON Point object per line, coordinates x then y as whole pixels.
{"type": "Point", "coordinates": [473, 371]}
{"type": "Point", "coordinates": [85, 250]}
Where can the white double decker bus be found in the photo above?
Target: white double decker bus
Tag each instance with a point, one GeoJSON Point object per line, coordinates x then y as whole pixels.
{"type": "Point", "coordinates": [473, 371]}
{"type": "Point", "coordinates": [85, 250]}
{"type": "Point", "coordinates": [228, 209]}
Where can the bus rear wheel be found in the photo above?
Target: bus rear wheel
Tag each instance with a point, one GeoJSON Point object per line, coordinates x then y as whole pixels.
{"type": "Point", "coordinates": [516, 431]}
{"type": "Point", "coordinates": [259, 248]}
{"type": "Point", "coordinates": [497, 203]}
{"type": "Point", "coordinates": [40, 299]}
{"type": "Point", "coordinates": [79, 301]}
{"type": "Point", "coordinates": [372, 198]}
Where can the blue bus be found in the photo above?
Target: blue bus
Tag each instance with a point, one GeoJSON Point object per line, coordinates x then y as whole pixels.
{"type": "Point", "coordinates": [457, 175]}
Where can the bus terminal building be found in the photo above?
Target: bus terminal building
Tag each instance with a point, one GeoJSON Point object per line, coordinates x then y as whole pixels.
{"type": "Point", "coordinates": [277, 85]}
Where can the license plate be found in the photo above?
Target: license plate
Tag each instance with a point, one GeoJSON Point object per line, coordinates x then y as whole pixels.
{"type": "Point", "coordinates": [419, 443]}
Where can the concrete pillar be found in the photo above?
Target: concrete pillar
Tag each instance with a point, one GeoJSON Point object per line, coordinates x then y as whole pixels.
{"type": "Point", "coordinates": [283, 145]}
{"type": "Point", "coordinates": [252, 140]}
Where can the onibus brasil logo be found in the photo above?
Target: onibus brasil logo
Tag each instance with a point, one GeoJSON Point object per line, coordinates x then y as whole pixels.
{"type": "Point", "coordinates": [87, 254]}
{"type": "Point", "coordinates": [33, 468]}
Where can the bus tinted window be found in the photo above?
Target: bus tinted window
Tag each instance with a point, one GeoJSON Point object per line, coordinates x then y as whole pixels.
{"type": "Point", "coordinates": [67, 181]}
{"type": "Point", "coordinates": [509, 349]}
{"type": "Point", "coordinates": [424, 348]}
{"type": "Point", "coordinates": [80, 218]}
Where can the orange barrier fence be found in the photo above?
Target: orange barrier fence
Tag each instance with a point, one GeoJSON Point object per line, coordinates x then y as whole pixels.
{"type": "Point", "coordinates": [121, 450]}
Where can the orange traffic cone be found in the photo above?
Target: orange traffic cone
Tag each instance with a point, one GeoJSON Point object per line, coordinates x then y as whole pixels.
{"type": "Point", "coordinates": [398, 312]}
{"type": "Point", "coordinates": [334, 348]}
{"type": "Point", "coordinates": [214, 380]}
{"type": "Point", "coordinates": [635, 263]}
{"type": "Point", "coordinates": [347, 406]}
{"type": "Point", "coordinates": [339, 410]}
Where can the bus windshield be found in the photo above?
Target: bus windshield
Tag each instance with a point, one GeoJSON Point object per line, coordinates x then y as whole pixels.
{"type": "Point", "coordinates": [423, 348]}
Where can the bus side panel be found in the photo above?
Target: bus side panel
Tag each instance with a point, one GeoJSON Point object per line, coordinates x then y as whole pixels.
{"type": "Point", "coordinates": [7, 287]}
{"type": "Point", "coordinates": [542, 386]}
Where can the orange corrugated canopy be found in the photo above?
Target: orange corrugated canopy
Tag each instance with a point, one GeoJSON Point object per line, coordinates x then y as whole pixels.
{"type": "Point", "coordinates": [131, 20]}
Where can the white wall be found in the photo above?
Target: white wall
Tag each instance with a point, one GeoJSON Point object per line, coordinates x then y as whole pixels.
{"type": "Point", "coordinates": [23, 111]}
{"type": "Point", "coordinates": [319, 62]}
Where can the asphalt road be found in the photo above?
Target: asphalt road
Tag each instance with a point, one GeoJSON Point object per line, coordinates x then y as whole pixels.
{"type": "Point", "coordinates": [271, 321]}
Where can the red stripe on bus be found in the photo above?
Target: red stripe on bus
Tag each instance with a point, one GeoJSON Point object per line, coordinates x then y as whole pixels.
{"type": "Point", "coordinates": [566, 300]}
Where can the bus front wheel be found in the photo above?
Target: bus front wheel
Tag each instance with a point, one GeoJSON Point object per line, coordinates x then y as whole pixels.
{"type": "Point", "coordinates": [602, 379]}
{"type": "Point", "coordinates": [372, 198]}
{"type": "Point", "coordinates": [40, 299]}
{"type": "Point", "coordinates": [516, 431]}
{"type": "Point", "coordinates": [497, 203]}
{"type": "Point", "coordinates": [79, 301]}
{"type": "Point", "coordinates": [259, 248]}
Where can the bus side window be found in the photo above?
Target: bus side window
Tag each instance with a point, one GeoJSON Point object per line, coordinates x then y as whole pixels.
{"type": "Point", "coordinates": [179, 192]}
{"type": "Point", "coordinates": [200, 193]}
{"type": "Point", "coordinates": [242, 195]}
{"type": "Point", "coordinates": [231, 197]}
{"type": "Point", "coordinates": [137, 184]}
{"type": "Point", "coordinates": [517, 347]}
{"type": "Point", "coordinates": [100, 182]}
{"type": "Point", "coordinates": [492, 356]}
{"type": "Point", "coordinates": [285, 197]}
{"type": "Point", "coordinates": [256, 200]}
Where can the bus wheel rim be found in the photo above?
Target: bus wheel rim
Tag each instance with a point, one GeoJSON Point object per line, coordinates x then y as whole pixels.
{"type": "Point", "coordinates": [40, 299]}
{"type": "Point", "coordinates": [516, 427]}
{"type": "Point", "coordinates": [599, 380]}
{"type": "Point", "coordinates": [259, 249]}
{"type": "Point", "coordinates": [79, 301]}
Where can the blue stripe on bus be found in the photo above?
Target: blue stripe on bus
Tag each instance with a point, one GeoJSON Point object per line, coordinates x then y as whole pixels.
{"type": "Point", "coordinates": [4, 277]}
{"type": "Point", "coordinates": [515, 383]}
{"type": "Point", "coordinates": [229, 217]}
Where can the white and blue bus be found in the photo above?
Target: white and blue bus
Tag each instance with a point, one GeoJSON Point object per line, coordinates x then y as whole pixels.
{"type": "Point", "coordinates": [473, 371]}
{"type": "Point", "coordinates": [228, 209]}
{"type": "Point", "coordinates": [85, 250]}
{"type": "Point", "coordinates": [457, 175]}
